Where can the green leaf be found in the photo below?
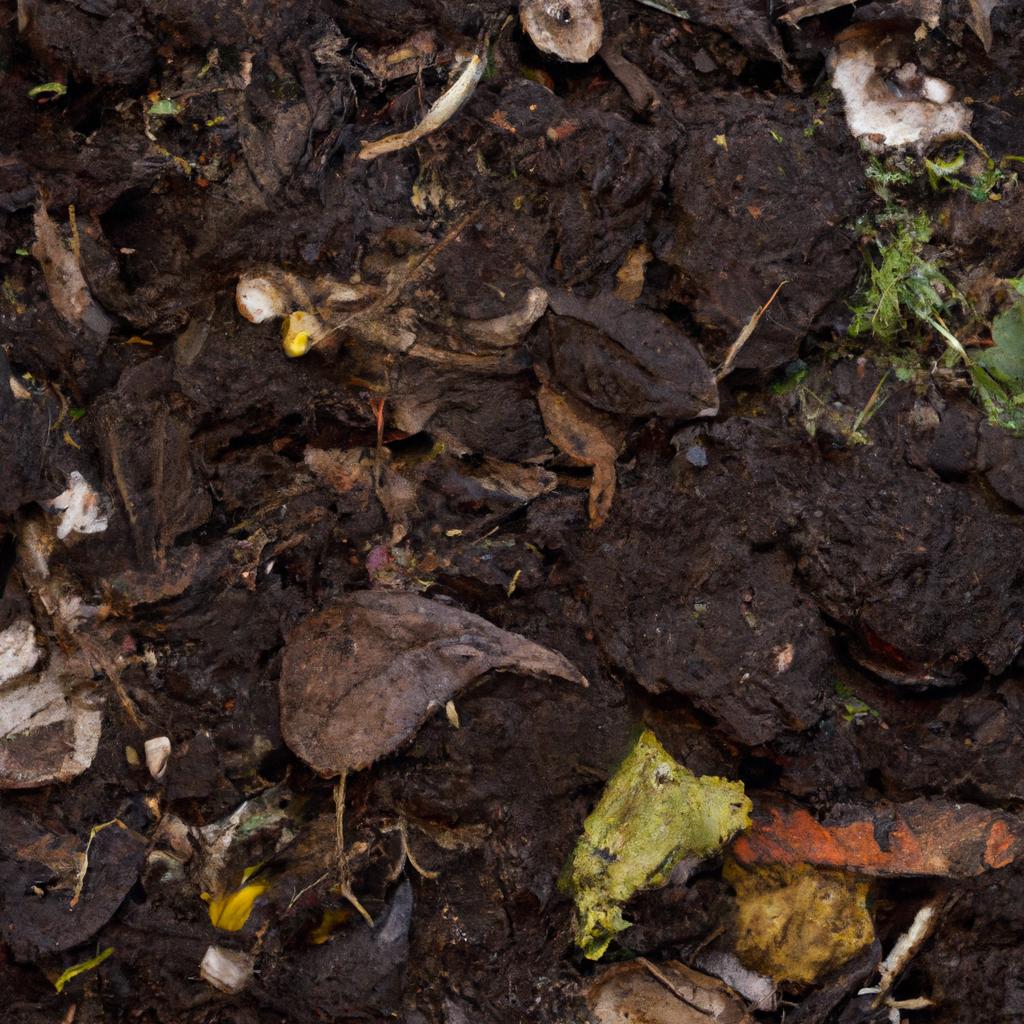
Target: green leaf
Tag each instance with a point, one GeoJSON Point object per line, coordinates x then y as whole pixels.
{"type": "Point", "coordinates": [48, 89]}
{"type": "Point", "coordinates": [165, 108]}
{"type": "Point", "coordinates": [1005, 361]}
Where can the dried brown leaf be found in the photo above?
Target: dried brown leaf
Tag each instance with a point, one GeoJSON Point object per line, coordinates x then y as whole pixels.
{"type": "Point", "coordinates": [65, 283]}
{"type": "Point", "coordinates": [667, 993]}
{"type": "Point", "coordinates": [574, 429]}
{"type": "Point", "coordinates": [359, 678]}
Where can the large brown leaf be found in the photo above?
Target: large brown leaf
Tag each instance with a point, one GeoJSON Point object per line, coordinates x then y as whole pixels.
{"type": "Point", "coordinates": [359, 678]}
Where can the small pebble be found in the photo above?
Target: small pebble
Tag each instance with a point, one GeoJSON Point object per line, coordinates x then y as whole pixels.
{"type": "Point", "coordinates": [697, 456]}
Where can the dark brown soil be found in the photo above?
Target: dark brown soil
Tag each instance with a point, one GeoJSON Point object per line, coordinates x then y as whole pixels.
{"type": "Point", "coordinates": [755, 565]}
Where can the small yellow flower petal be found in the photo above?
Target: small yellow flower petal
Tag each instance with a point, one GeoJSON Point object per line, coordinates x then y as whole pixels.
{"type": "Point", "coordinates": [230, 912]}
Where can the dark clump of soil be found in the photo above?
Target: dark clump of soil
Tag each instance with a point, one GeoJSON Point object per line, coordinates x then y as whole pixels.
{"type": "Point", "coordinates": [307, 636]}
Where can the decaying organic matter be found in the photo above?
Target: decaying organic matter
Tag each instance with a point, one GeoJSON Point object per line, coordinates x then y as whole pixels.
{"type": "Point", "coordinates": [375, 374]}
{"type": "Point", "coordinates": [653, 814]}
{"type": "Point", "coordinates": [569, 29]}
{"type": "Point", "coordinates": [359, 677]}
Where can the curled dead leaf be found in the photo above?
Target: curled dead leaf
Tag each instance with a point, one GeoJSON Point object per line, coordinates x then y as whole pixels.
{"type": "Point", "coordinates": [360, 677]}
{"type": "Point", "coordinates": [574, 429]}
{"type": "Point", "coordinates": [666, 993]}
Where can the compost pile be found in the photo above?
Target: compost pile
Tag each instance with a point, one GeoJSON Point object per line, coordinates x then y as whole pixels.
{"type": "Point", "coordinates": [511, 514]}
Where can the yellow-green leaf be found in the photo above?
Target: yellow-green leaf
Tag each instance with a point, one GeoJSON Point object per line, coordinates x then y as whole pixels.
{"type": "Point", "coordinates": [652, 814]}
{"type": "Point", "coordinates": [86, 965]}
{"type": "Point", "coordinates": [47, 89]}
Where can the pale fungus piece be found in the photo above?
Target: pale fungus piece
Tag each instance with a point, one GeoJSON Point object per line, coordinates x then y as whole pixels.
{"type": "Point", "coordinates": [228, 970]}
{"type": "Point", "coordinates": [890, 103]}
{"type": "Point", "coordinates": [569, 29]}
{"type": "Point", "coordinates": [259, 299]}
{"type": "Point", "coordinates": [158, 752]}
{"type": "Point", "coordinates": [81, 507]}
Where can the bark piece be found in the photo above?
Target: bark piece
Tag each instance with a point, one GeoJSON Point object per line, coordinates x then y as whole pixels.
{"type": "Point", "coordinates": [65, 283]}
{"type": "Point", "coordinates": [50, 725]}
{"type": "Point", "coordinates": [359, 678]}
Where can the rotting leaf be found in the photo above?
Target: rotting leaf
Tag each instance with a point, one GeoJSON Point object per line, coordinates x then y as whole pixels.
{"type": "Point", "coordinates": [652, 814]}
{"type": "Point", "coordinates": [664, 993]}
{"type": "Point", "coordinates": [52, 89]}
{"type": "Point", "coordinates": [575, 431]}
{"type": "Point", "coordinates": [1005, 360]}
{"type": "Point", "coordinates": [797, 923]}
{"type": "Point", "coordinates": [165, 108]}
{"type": "Point", "coordinates": [359, 678]}
{"type": "Point", "coordinates": [86, 965]}
{"type": "Point", "coordinates": [627, 360]}
{"type": "Point", "coordinates": [65, 283]}
{"type": "Point", "coordinates": [923, 837]}
{"type": "Point", "coordinates": [35, 922]}
{"type": "Point", "coordinates": [979, 17]}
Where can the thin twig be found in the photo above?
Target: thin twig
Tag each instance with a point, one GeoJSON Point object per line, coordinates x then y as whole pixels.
{"type": "Point", "coordinates": [744, 336]}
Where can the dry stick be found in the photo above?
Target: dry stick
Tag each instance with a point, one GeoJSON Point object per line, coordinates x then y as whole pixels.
{"type": "Point", "coordinates": [84, 864]}
{"type": "Point", "coordinates": [109, 667]}
{"type": "Point", "coordinates": [744, 336]}
{"type": "Point", "coordinates": [668, 983]}
{"type": "Point", "coordinates": [302, 892]}
{"type": "Point", "coordinates": [76, 245]}
{"type": "Point", "coordinates": [345, 883]}
{"type": "Point", "coordinates": [400, 281]}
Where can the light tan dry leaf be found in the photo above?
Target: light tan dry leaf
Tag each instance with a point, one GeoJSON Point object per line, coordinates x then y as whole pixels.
{"type": "Point", "coordinates": [65, 283]}
{"type": "Point", "coordinates": [359, 678]}
{"type": "Point", "coordinates": [666, 993]}
{"type": "Point", "coordinates": [979, 17]}
{"type": "Point", "coordinates": [575, 431]}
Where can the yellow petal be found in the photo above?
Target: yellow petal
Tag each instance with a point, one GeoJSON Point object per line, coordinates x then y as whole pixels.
{"type": "Point", "coordinates": [230, 912]}
{"type": "Point", "coordinates": [330, 922]}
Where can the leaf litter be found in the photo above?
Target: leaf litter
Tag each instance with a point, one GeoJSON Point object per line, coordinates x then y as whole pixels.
{"type": "Point", "coordinates": [466, 396]}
